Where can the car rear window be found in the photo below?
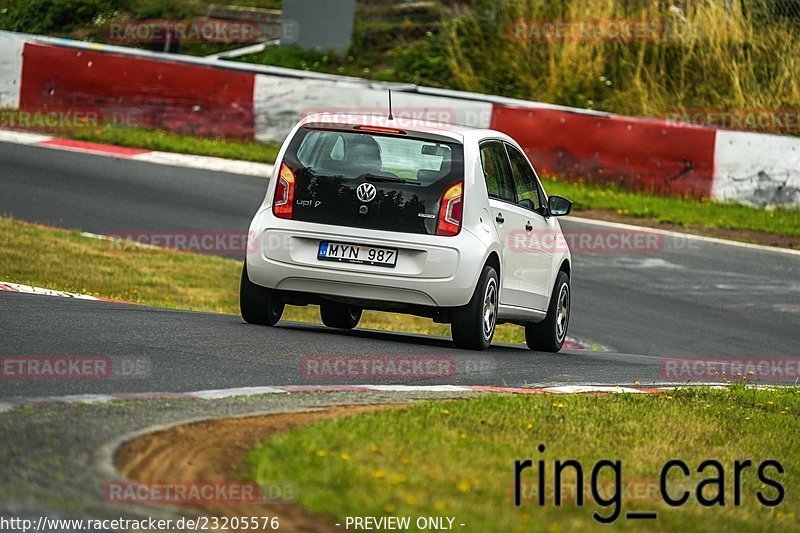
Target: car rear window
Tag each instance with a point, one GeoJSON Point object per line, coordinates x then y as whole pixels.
{"type": "Point", "coordinates": [351, 155]}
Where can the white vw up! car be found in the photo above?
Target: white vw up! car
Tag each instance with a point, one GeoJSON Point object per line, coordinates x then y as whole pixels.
{"type": "Point", "coordinates": [441, 221]}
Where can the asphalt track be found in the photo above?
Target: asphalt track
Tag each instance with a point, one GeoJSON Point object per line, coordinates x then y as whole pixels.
{"type": "Point", "coordinates": [689, 297]}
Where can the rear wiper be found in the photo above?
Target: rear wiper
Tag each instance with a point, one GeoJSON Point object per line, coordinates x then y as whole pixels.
{"type": "Point", "coordinates": [373, 177]}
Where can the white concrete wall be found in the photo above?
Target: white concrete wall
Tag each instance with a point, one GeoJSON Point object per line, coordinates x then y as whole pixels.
{"type": "Point", "coordinates": [280, 102]}
{"type": "Point", "coordinates": [757, 169]}
{"type": "Point", "coordinates": [10, 69]}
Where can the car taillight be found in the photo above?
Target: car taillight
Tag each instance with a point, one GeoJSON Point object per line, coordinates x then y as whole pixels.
{"type": "Point", "coordinates": [450, 211]}
{"type": "Point", "coordinates": [284, 193]}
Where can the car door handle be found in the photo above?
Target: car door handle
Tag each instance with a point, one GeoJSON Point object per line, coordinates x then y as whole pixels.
{"type": "Point", "coordinates": [528, 226]}
{"type": "Point", "coordinates": [499, 218]}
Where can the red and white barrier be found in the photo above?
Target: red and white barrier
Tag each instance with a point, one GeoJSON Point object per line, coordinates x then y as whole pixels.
{"type": "Point", "coordinates": [218, 98]}
{"type": "Point", "coordinates": [641, 154]}
{"type": "Point", "coordinates": [201, 100]}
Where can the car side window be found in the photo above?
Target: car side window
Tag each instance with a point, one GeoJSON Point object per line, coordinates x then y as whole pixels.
{"type": "Point", "coordinates": [497, 172]}
{"type": "Point", "coordinates": [524, 180]}
{"type": "Point", "coordinates": [337, 151]}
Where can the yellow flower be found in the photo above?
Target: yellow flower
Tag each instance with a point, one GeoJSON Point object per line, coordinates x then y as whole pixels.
{"type": "Point", "coordinates": [404, 460]}
{"type": "Point", "coordinates": [397, 479]}
{"type": "Point", "coordinates": [439, 505]}
{"type": "Point", "coordinates": [463, 486]}
{"type": "Point", "coordinates": [445, 411]}
{"type": "Point", "coordinates": [530, 426]}
{"type": "Point", "coordinates": [374, 448]}
{"type": "Point", "coordinates": [463, 435]}
{"type": "Point", "coordinates": [669, 397]}
{"type": "Point", "coordinates": [344, 456]}
{"type": "Point", "coordinates": [559, 405]}
{"type": "Point", "coordinates": [389, 508]}
{"type": "Point", "coordinates": [410, 500]}
{"type": "Point", "coordinates": [321, 453]}
{"type": "Point", "coordinates": [378, 474]}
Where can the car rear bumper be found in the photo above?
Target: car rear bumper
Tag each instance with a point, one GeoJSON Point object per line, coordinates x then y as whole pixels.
{"type": "Point", "coordinates": [430, 271]}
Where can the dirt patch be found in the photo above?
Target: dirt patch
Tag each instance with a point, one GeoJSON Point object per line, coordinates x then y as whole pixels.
{"type": "Point", "coordinates": [215, 450]}
{"type": "Point", "coordinates": [749, 236]}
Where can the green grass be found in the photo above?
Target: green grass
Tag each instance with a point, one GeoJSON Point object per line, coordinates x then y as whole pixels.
{"type": "Point", "coordinates": [711, 55]}
{"type": "Point", "coordinates": [743, 57]}
{"type": "Point", "coordinates": [35, 256]}
{"type": "Point", "coordinates": [173, 142]}
{"type": "Point", "coordinates": [687, 212]}
{"type": "Point", "coordinates": [32, 255]}
{"type": "Point", "coordinates": [456, 458]}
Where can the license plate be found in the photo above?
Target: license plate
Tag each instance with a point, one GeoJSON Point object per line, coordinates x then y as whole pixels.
{"type": "Point", "coordinates": [357, 253]}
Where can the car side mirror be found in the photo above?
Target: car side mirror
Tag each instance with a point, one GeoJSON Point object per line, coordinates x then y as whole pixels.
{"type": "Point", "coordinates": [527, 203]}
{"type": "Point", "coordinates": [558, 206]}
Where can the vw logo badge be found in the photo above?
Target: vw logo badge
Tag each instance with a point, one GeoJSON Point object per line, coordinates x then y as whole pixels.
{"type": "Point", "coordinates": [366, 192]}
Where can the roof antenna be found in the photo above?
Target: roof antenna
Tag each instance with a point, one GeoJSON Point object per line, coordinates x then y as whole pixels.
{"type": "Point", "coordinates": [391, 117]}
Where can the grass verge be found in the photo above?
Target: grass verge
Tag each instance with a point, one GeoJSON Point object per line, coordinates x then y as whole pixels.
{"type": "Point", "coordinates": [33, 255]}
{"type": "Point", "coordinates": [172, 142]}
{"type": "Point", "coordinates": [457, 458]}
{"type": "Point", "coordinates": [687, 213]}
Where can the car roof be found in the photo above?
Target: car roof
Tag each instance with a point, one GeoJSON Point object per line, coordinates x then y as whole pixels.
{"type": "Point", "coordinates": [419, 128]}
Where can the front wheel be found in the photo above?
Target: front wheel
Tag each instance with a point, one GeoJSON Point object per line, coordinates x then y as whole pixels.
{"type": "Point", "coordinates": [473, 325]}
{"type": "Point", "coordinates": [259, 305]}
{"type": "Point", "coordinates": [340, 316]}
{"type": "Point", "coordinates": [549, 334]}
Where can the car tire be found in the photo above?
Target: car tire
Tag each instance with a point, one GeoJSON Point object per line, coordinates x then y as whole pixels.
{"type": "Point", "coordinates": [340, 316]}
{"type": "Point", "coordinates": [259, 305]}
{"type": "Point", "coordinates": [549, 334]}
{"type": "Point", "coordinates": [472, 326]}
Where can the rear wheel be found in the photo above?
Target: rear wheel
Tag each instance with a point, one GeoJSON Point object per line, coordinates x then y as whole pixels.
{"type": "Point", "coordinates": [340, 316]}
{"type": "Point", "coordinates": [473, 324]}
{"type": "Point", "coordinates": [549, 334]}
{"type": "Point", "coordinates": [259, 305]}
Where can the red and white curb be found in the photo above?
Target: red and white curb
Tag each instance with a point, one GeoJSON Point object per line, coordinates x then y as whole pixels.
{"type": "Point", "coordinates": [215, 164]}
{"type": "Point", "coordinates": [28, 289]}
{"type": "Point", "coordinates": [219, 394]}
